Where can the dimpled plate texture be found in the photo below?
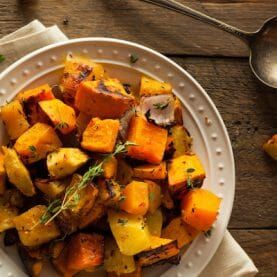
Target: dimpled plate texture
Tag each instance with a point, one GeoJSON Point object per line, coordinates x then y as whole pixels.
{"type": "Point", "coordinates": [201, 118]}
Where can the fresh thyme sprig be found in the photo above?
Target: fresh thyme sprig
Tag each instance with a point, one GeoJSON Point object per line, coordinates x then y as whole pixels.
{"type": "Point", "coordinates": [72, 197]}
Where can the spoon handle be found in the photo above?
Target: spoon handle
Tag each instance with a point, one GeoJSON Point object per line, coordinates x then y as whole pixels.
{"type": "Point", "coordinates": [180, 8]}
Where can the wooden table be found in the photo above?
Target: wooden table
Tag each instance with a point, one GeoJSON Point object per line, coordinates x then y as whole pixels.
{"type": "Point", "coordinates": [219, 62]}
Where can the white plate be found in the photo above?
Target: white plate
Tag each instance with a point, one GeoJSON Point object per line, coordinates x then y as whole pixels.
{"type": "Point", "coordinates": [201, 117]}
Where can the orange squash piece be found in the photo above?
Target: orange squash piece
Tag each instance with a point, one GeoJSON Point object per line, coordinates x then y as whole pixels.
{"type": "Point", "coordinates": [200, 208]}
{"type": "Point", "coordinates": [110, 168]}
{"type": "Point", "coordinates": [61, 115]}
{"type": "Point", "coordinates": [104, 98]}
{"type": "Point", "coordinates": [151, 171]}
{"type": "Point", "coordinates": [85, 252]}
{"type": "Point", "coordinates": [37, 142]}
{"type": "Point", "coordinates": [150, 140]}
{"type": "Point", "coordinates": [100, 135]}
{"type": "Point", "coordinates": [149, 87]}
{"type": "Point", "coordinates": [135, 198]}
{"type": "Point", "coordinates": [14, 119]}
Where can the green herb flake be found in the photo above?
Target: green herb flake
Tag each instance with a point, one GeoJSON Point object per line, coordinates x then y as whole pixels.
{"type": "Point", "coordinates": [32, 148]}
{"type": "Point", "coordinates": [122, 198]}
{"type": "Point", "coordinates": [133, 58]}
{"type": "Point", "coordinates": [190, 170]}
{"type": "Point", "coordinates": [122, 221]}
{"type": "Point", "coordinates": [161, 106]}
{"type": "Point", "coordinates": [2, 58]}
{"type": "Point", "coordinates": [151, 196]}
{"type": "Point", "coordinates": [61, 125]}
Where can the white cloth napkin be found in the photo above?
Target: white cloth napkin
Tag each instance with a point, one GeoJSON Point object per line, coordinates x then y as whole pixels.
{"type": "Point", "coordinates": [230, 259]}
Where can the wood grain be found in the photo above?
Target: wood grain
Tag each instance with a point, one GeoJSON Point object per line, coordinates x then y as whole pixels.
{"type": "Point", "coordinates": [143, 23]}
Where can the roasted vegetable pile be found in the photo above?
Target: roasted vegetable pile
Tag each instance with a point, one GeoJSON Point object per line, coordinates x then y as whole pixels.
{"type": "Point", "coordinates": [96, 174]}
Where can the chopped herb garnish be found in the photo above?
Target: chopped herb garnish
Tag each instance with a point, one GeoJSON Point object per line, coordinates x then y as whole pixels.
{"type": "Point", "coordinates": [189, 181]}
{"type": "Point", "coordinates": [133, 58]}
{"type": "Point", "coordinates": [151, 196]}
{"type": "Point", "coordinates": [32, 148]}
{"type": "Point", "coordinates": [122, 198]}
{"type": "Point", "coordinates": [161, 106]}
{"type": "Point", "coordinates": [122, 221]}
{"type": "Point", "coordinates": [61, 125]}
{"type": "Point", "coordinates": [190, 170]}
{"type": "Point", "coordinates": [2, 58]}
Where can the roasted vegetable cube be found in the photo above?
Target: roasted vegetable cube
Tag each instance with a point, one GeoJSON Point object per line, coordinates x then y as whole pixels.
{"type": "Point", "coordinates": [14, 119]}
{"type": "Point", "coordinates": [150, 87]}
{"type": "Point", "coordinates": [135, 198]}
{"type": "Point", "coordinates": [182, 141]}
{"type": "Point", "coordinates": [85, 251]}
{"type": "Point", "coordinates": [154, 195]}
{"type": "Point", "coordinates": [130, 232]}
{"type": "Point", "coordinates": [31, 231]}
{"type": "Point", "coordinates": [155, 222]}
{"type": "Point", "coordinates": [178, 230]}
{"type": "Point", "coordinates": [115, 261]}
{"type": "Point", "coordinates": [2, 174]}
{"type": "Point", "coordinates": [109, 192]}
{"type": "Point", "coordinates": [104, 98]}
{"type": "Point", "coordinates": [160, 251]}
{"type": "Point", "coordinates": [270, 147]}
{"type": "Point", "coordinates": [37, 142]}
{"type": "Point", "coordinates": [7, 214]}
{"type": "Point", "coordinates": [100, 135]}
{"type": "Point", "coordinates": [200, 208]}
{"type": "Point", "coordinates": [52, 189]}
{"type": "Point", "coordinates": [150, 140]}
{"type": "Point", "coordinates": [17, 173]}
{"type": "Point", "coordinates": [65, 161]}
{"type": "Point", "coordinates": [184, 169]}
{"type": "Point", "coordinates": [150, 171]}
{"type": "Point", "coordinates": [110, 167]}
{"type": "Point", "coordinates": [61, 115]}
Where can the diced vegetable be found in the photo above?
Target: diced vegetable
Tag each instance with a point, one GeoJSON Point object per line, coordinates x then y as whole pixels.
{"type": "Point", "coordinates": [115, 261]}
{"type": "Point", "coordinates": [17, 173]}
{"type": "Point", "coordinates": [85, 251]}
{"type": "Point", "coordinates": [182, 141]}
{"type": "Point", "coordinates": [154, 195]}
{"type": "Point", "coordinates": [155, 222]}
{"type": "Point", "coordinates": [183, 171]}
{"type": "Point", "coordinates": [150, 87]}
{"type": "Point", "coordinates": [150, 171]}
{"type": "Point", "coordinates": [124, 173]}
{"type": "Point", "coordinates": [160, 251]}
{"type": "Point", "coordinates": [200, 209]}
{"type": "Point", "coordinates": [130, 232]}
{"type": "Point", "coordinates": [135, 198]}
{"type": "Point", "coordinates": [270, 147]}
{"type": "Point", "coordinates": [178, 230]}
{"type": "Point", "coordinates": [109, 191]}
{"type": "Point", "coordinates": [14, 119]}
{"type": "Point", "coordinates": [110, 168]}
{"type": "Point", "coordinates": [178, 112]}
{"type": "Point", "coordinates": [2, 175]}
{"type": "Point", "coordinates": [150, 141]}
{"type": "Point", "coordinates": [82, 122]}
{"type": "Point", "coordinates": [52, 189]}
{"type": "Point", "coordinates": [100, 135]}
{"type": "Point", "coordinates": [104, 98]}
{"type": "Point", "coordinates": [37, 142]}
{"type": "Point", "coordinates": [61, 115]}
{"type": "Point", "coordinates": [7, 214]}
{"type": "Point", "coordinates": [65, 161]}
{"type": "Point", "coordinates": [31, 231]}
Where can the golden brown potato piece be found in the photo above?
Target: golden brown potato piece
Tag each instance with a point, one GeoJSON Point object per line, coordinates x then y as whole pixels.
{"type": "Point", "coordinates": [104, 98]}
{"type": "Point", "coordinates": [31, 231]}
{"type": "Point", "coordinates": [37, 142]}
{"type": "Point", "coordinates": [7, 214]}
{"type": "Point", "coordinates": [14, 119]}
{"type": "Point", "coordinates": [17, 173]}
{"type": "Point", "coordinates": [149, 87]}
{"type": "Point", "coordinates": [52, 189]}
{"type": "Point", "coordinates": [109, 191]}
{"type": "Point", "coordinates": [270, 147]}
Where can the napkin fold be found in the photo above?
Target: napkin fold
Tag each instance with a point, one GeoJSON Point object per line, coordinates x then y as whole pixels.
{"type": "Point", "coordinates": [230, 260]}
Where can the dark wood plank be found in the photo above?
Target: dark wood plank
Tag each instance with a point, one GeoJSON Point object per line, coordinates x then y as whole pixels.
{"type": "Point", "coordinates": [250, 114]}
{"type": "Point", "coordinates": [143, 23]}
{"type": "Point", "coordinates": [261, 246]}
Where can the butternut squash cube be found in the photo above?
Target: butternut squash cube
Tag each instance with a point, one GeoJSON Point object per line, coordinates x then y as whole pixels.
{"type": "Point", "coordinates": [154, 195]}
{"type": "Point", "coordinates": [100, 135]}
{"type": "Point", "coordinates": [200, 209]}
{"type": "Point", "coordinates": [14, 119]}
{"type": "Point", "coordinates": [150, 140]}
{"type": "Point", "coordinates": [135, 198]}
{"type": "Point", "coordinates": [65, 161]}
{"type": "Point", "coordinates": [178, 230]}
{"type": "Point", "coordinates": [61, 115]}
{"type": "Point", "coordinates": [37, 142]}
{"type": "Point", "coordinates": [270, 147]}
{"type": "Point", "coordinates": [33, 233]}
{"type": "Point", "coordinates": [104, 98]}
{"type": "Point", "coordinates": [151, 171]}
{"type": "Point", "coordinates": [110, 167]}
{"type": "Point", "coordinates": [149, 87]}
{"type": "Point", "coordinates": [182, 169]}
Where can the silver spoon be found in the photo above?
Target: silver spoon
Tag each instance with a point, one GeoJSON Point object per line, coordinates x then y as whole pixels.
{"type": "Point", "coordinates": [262, 43]}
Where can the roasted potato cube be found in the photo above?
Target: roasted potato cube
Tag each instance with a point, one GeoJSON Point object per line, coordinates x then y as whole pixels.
{"type": "Point", "coordinates": [160, 251]}
{"type": "Point", "coordinates": [104, 98]}
{"type": "Point", "coordinates": [31, 231]}
{"type": "Point", "coordinates": [124, 173]}
{"type": "Point", "coordinates": [14, 119]}
{"type": "Point", "coordinates": [115, 261]}
{"type": "Point", "coordinates": [150, 140]}
{"type": "Point", "coordinates": [149, 87]}
{"type": "Point", "coordinates": [100, 135]}
{"type": "Point", "coordinates": [150, 171]}
{"type": "Point", "coordinates": [37, 142]}
{"type": "Point", "coordinates": [178, 230]}
{"type": "Point", "coordinates": [182, 169]}
{"type": "Point", "coordinates": [110, 167]}
{"type": "Point", "coordinates": [85, 251]}
{"type": "Point", "coordinates": [155, 222]}
{"type": "Point", "coordinates": [154, 195]}
{"type": "Point", "coordinates": [7, 214]}
{"type": "Point", "coordinates": [270, 147]}
{"type": "Point", "coordinates": [130, 232]}
{"type": "Point", "coordinates": [65, 161]}
{"type": "Point", "coordinates": [2, 175]}
{"type": "Point", "coordinates": [52, 189]}
{"type": "Point", "coordinates": [109, 192]}
{"type": "Point", "coordinates": [17, 173]}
